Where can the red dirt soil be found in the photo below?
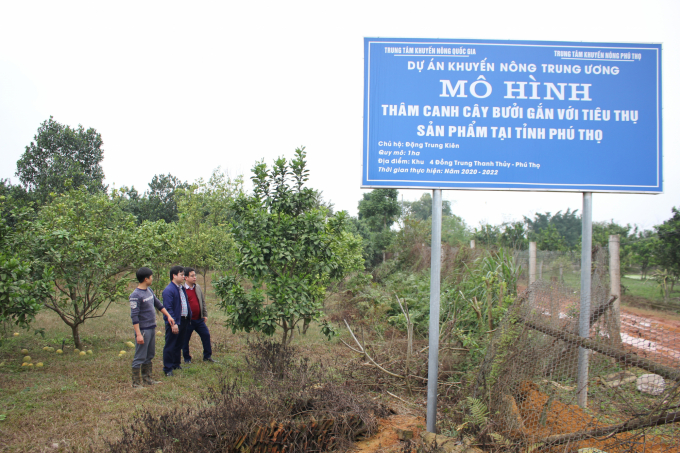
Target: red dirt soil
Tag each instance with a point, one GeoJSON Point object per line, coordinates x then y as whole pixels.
{"type": "Point", "coordinates": [386, 439]}
{"type": "Point", "coordinates": [564, 419]}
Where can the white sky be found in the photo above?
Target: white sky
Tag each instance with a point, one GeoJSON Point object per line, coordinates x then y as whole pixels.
{"type": "Point", "coordinates": [186, 87]}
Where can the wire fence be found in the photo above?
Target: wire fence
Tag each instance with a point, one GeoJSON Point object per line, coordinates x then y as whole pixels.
{"type": "Point", "coordinates": [528, 378]}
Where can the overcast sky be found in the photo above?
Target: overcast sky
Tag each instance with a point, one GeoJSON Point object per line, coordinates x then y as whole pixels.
{"type": "Point", "coordinates": [183, 88]}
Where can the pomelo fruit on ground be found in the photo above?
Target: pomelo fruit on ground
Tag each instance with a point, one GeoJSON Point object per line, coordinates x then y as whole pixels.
{"type": "Point", "coordinates": [76, 350]}
{"type": "Point", "coordinates": [59, 351]}
{"type": "Point", "coordinates": [89, 351]}
{"type": "Point", "coordinates": [39, 364]}
{"type": "Point", "coordinates": [82, 353]}
{"type": "Point", "coordinates": [27, 358]}
{"type": "Point", "coordinates": [24, 351]}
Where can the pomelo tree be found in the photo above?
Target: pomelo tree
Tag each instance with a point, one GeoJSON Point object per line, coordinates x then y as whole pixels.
{"type": "Point", "coordinates": [92, 246]}
{"type": "Point", "coordinates": [290, 249]}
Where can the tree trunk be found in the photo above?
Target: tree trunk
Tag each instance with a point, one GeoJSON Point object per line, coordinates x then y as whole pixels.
{"type": "Point", "coordinates": [286, 339]}
{"type": "Point", "coordinates": [76, 336]}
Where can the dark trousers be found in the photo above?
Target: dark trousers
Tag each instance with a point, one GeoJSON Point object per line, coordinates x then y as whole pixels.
{"type": "Point", "coordinates": [172, 352]}
{"type": "Point", "coordinates": [202, 330]}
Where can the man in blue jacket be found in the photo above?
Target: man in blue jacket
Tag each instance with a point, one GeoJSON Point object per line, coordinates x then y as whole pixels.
{"type": "Point", "coordinates": [176, 303]}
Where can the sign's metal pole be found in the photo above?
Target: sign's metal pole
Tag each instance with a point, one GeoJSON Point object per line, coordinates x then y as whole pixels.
{"type": "Point", "coordinates": [435, 275]}
{"type": "Point", "coordinates": [584, 311]}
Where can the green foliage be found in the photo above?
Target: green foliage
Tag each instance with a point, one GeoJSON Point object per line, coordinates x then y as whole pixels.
{"type": "Point", "coordinates": [514, 236]}
{"type": "Point", "coordinates": [21, 287]}
{"type": "Point", "coordinates": [477, 413]}
{"type": "Point", "coordinates": [157, 203]}
{"type": "Point", "coordinates": [422, 209]}
{"type": "Point", "coordinates": [668, 245]}
{"type": "Point", "coordinates": [565, 225]}
{"type": "Point", "coordinates": [642, 251]}
{"type": "Point", "coordinates": [487, 235]}
{"type": "Point", "coordinates": [454, 230]}
{"type": "Point", "coordinates": [60, 154]}
{"type": "Point", "coordinates": [475, 295]}
{"type": "Point", "coordinates": [602, 231]}
{"type": "Point", "coordinates": [550, 239]}
{"type": "Point", "coordinates": [205, 210]}
{"type": "Point", "coordinates": [667, 253]}
{"type": "Point", "coordinates": [92, 246]}
{"type": "Point", "coordinates": [379, 209]}
{"type": "Point", "coordinates": [290, 249]}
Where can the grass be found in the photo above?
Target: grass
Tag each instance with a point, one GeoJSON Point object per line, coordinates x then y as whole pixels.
{"type": "Point", "coordinates": [79, 403]}
{"type": "Point", "coordinates": [636, 291]}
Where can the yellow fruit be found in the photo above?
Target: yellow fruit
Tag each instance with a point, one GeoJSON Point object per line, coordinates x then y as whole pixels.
{"type": "Point", "coordinates": [27, 358]}
{"type": "Point", "coordinates": [159, 332]}
{"type": "Point", "coordinates": [59, 351]}
{"type": "Point", "coordinates": [39, 364]}
{"type": "Point", "coordinates": [24, 351]}
{"type": "Point", "coordinates": [46, 348]}
{"type": "Point", "coordinates": [76, 350]}
{"type": "Point", "coordinates": [129, 344]}
{"type": "Point", "coordinates": [89, 351]}
{"type": "Point", "coordinates": [50, 349]}
{"type": "Point", "coordinates": [30, 364]}
{"type": "Point", "coordinates": [16, 334]}
{"type": "Point", "coordinates": [82, 353]}
{"type": "Point", "coordinates": [122, 352]}
{"type": "Point", "coordinates": [24, 364]}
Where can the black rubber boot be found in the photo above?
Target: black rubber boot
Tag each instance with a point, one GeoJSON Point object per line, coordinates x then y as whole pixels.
{"type": "Point", "coordinates": [136, 378]}
{"type": "Point", "coordinates": [147, 369]}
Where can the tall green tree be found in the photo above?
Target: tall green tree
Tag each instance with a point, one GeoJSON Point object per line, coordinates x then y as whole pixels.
{"type": "Point", "coordinates": [161, 202]}
{"type": "Point", "coordinates": [643, 249]}
{"type": "Point", "coordinates": [290, 249]}
{"type": "Point", "coordinates": [550, 239]}
{"type": "Point", "coordinates": [454, 230]}
{"type": "Point", "coordinates": [380, 209]}
{"type": "Point", "coordinates": [92, 246]}
{"type": "Point", "coordinates": [668, 251]}
{"type": "Point", "coordinates": [205, 213]}
{"type": "Point", "coordinates": [422, 209]}
{"type": "Point", "coordinates": [567, 225]}
{"type": "Point", "coordinates": [22, 288]}
{"type": "Point", "coordinates": [61, 157]}
{"type": "Point", "coordinates": [514, 236]}
{"type": "Point", "coordinates": [487, 235]}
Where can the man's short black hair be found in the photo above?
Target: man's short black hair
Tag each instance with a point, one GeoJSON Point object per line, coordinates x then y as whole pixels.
{"type": "Point", "coordinates": [143, 273]}
{"type": "Point", "coordinates": [188, 270]}
{"type": "Point", "coordinates": [174, 270]}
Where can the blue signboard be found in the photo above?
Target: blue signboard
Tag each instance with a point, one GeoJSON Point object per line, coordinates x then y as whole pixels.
{"type": "Point", "coordinates": [512, 115]}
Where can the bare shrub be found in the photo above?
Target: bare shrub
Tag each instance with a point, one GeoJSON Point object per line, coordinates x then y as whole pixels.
{"type": "Point", "coordinates": [302, 409]}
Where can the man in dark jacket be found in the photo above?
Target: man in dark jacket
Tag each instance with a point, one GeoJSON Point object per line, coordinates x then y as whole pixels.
{"type": "Point", "coordinates": [199, 316]}
{"type": "Point", "coordinates": [176, 303]}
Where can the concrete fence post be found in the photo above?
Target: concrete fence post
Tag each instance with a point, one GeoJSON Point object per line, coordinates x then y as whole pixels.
{"type": "Point", "coordinates": [615, 283]}
{"type": "Point", "coordinates": [532, 262]}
